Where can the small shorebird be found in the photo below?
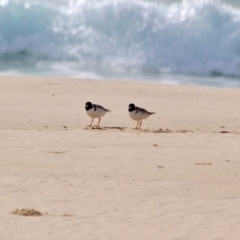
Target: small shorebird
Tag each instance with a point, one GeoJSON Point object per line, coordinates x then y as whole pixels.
{"type": "Point", "coordinates": [138, 114]}
{"type": "Point", "coordinates": [95, 111]}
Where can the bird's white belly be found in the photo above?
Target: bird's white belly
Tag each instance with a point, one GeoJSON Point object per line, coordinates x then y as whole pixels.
{"type": "Point", "coordinates": [96, 114]}
{"type": "Point", "coordinates": [138, 116]}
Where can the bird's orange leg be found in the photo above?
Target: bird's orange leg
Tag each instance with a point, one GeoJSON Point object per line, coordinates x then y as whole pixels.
{"type": "Point", "coordinates": [136, 126]}
{"type": "Point", "coordinates": [90, 123]}
{"type": "Point", "coordinates": [140, 125]}
{"type": "Point", "coordinates": [98, 122]}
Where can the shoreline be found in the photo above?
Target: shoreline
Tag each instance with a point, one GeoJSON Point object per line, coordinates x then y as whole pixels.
{"type": "Point", "coordinates": [168, 79]}
{"type": "Point", "coordinates": [117, 183]}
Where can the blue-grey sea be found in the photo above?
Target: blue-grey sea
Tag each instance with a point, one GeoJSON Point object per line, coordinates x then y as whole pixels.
{"type": "Point", "coordinates": [188, 42]}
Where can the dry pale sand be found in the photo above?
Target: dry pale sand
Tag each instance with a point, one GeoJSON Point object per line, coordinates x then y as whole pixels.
{"type": "Point", "coordinates": [117, 183]}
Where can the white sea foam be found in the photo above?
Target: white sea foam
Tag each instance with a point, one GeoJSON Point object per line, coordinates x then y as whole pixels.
{"type": "Point", "coordinates": [200, 37]}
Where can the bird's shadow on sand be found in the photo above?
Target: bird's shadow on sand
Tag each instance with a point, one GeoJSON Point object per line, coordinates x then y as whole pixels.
{"type": "Point", "coordinates": [160, 130]}
{"type": "Point", "coordinates": [104, 128]}
{"type": "Point", "coordinates": [130, 129]}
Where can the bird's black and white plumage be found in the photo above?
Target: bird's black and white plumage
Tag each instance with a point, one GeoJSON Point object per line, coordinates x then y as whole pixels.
{"type": "Point", "coordinates": [138, 114]}
{"type": "Point", "coordinates": [95, 111]}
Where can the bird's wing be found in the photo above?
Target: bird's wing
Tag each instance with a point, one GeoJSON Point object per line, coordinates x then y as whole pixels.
{"type": "Point", "coordinates": [142, 110]}
{"type": "Point", "coordinates": [101, 107]}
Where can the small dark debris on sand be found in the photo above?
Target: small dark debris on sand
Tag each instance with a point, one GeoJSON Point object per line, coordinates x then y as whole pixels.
{"type": "Point", "coordinates": [162, 131]}
{"type": "Point", "coordinates": [27, 212]}
{"type": "Point", "coordinates": [56, 152]}
{"type": "Point", "coordinates": [67, 215]}
{"type": "Point", "coordinates": [206, 164]}
{"type": "Point", "coordinates": [184, 131]}
{"type": "Point", "coordinates": [118, 128]}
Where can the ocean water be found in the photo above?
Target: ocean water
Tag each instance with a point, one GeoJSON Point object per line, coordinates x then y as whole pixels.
{"type": "Point", "coordinates": [193, 42]}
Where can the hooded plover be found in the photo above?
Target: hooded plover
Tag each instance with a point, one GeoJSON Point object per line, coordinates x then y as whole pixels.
{"type": "Point", "coordinates": [95, 111]}
{"type": "Point", "coordinates": [138, 114]}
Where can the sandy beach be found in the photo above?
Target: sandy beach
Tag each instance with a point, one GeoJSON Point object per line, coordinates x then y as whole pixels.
{"type": "Point", "coordinates": [178, 178]}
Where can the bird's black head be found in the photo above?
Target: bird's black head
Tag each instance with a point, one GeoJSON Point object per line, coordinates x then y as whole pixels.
{"type": "Point", "coordinates": [131, 107]}
{"type": "Point", "coordinates": [88, 105]}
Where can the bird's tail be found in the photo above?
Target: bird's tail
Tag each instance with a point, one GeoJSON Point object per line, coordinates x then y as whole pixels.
{"type": "Point", "coordinates": [152, 113]}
